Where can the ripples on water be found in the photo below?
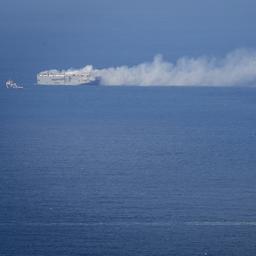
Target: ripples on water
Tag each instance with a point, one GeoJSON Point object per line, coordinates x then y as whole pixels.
{"type": "Point", "coordinates": [128, 171]}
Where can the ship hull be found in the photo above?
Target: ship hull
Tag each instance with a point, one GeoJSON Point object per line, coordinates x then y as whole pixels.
{"type": "Point", "coordinates": [86, 76]}
{"type": "Point", "coordinates": [93, 83]}
{"type": "Point", "coordinates": [65, 82]}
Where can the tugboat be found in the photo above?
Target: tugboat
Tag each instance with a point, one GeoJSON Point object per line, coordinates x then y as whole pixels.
{"type": "Point", "coordinates": [10, 84]}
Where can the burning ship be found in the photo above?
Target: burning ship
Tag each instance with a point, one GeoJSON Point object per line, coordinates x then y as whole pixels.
{"type": "Point", "coordinates": [83, 76]}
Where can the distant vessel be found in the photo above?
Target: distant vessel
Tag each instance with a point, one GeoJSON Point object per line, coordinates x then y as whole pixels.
{"type": "Point", "coordinates": [10, 84]}
{"type": "Point", "coordinates": [71, 77]}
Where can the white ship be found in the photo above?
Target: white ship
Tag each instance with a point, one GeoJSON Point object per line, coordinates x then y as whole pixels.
{"type": "Point", "coordinates": [70, 77]}
{"type": "Point", "coordinates": [10, 84]}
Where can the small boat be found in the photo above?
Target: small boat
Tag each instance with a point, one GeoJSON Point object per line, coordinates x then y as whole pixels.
{"type": "Point", "coordinates": [10, 84]}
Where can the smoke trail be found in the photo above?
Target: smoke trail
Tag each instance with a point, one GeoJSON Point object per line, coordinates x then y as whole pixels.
{"type": "Point", "coordinates": [236, 68]}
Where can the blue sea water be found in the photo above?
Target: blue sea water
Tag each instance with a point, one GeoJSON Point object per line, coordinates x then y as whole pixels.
{"type": "Point", "coordinates": [127, 171]}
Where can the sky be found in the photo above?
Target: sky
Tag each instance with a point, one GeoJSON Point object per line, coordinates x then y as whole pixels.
{"type": "Point", "coordinates": [45, 34]}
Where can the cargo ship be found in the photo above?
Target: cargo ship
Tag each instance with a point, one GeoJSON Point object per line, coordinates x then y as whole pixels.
{"type": "Point", "coordinates": [84, 76]}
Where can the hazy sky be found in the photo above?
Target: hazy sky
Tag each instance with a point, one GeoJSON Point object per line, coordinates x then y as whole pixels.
{"type": "Point", "coordinates": [113, 32]}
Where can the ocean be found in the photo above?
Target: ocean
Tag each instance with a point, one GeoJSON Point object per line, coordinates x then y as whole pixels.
{"type": "Point", "coordinates": [111, 171]}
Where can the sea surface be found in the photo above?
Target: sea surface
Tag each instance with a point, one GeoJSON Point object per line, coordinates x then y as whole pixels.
{"type": "Point", "coordinates": [113, 171]}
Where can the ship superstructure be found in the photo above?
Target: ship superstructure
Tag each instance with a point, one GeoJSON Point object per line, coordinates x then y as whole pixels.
{"type": "Point", "coordinates": [70, 77]}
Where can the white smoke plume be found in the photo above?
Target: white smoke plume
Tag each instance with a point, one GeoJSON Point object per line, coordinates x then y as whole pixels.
{"type": "Point", "coordinates": [236, 68]}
